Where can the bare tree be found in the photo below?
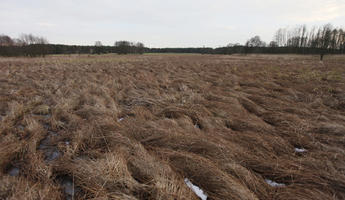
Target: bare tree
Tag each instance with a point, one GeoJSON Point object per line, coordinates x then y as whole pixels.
{"type": "Point", "coordinates": [123, 47]}
{"type": "Point", "coordinates": [273, 44]}
{"type": "Point", "coordinates": [255, 42]}
{"type": "Point", "coordinates": [18, 42]}
{"type": "Point", "coordinates": [6, 41]}
{"type": "Point", "coordinates": [98, 44]}
{"type": "Point", "coordinates": [98, 47]}
{"type": "Point", "coordinates": [140, 48]}
{"type": "Point", "coordinates": [233, 44]}
{"type": "Point", "coordinates": [28, 39]}
{"type": "Point", "coordinates": [341, 40]}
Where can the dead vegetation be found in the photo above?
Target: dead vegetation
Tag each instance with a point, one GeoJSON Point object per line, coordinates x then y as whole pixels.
{"type": "Point", "coordinates": [134, 127]}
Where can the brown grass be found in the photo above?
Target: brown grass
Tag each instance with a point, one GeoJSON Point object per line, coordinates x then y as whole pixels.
{"type": "Point", "coordinates": [134, 127]}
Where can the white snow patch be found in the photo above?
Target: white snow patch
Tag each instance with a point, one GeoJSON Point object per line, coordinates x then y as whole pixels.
{"type": "Point", "coordinates": [274, 184]}
{"type": "Point", "coordinates": [198, 191]}
{"type": "Point", "coordinates": [300, 150]}
{"type": "Point", "coordinates": [120, 119]}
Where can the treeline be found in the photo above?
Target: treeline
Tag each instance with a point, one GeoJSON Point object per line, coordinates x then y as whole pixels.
{"type": "Point", "coordinates": [275, 50]}
{"type": "Point", "coordinates": [45, 49]}
{"type": "Point", "coordinates": [25, 45]}
{"type": "Point", "coordinates": [120, 47]}
{"type": "Point", "coordinates": [182, 50]}
{"type": "Point", "coordinates": [23, 40]}
{"type": "Point", "coordinates": [35, 50]}
{"type": "Point", "coordinates": [299, 40]}
{"type": "Point", "coordinates": [325, 37]}
{"type": "Point", "coordinates": [30, 45]}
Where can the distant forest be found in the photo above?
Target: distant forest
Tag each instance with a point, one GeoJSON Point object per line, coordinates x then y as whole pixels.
{"type": "Point", "coordinates": [299, 40]}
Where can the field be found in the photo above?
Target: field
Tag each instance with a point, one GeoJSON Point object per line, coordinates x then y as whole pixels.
{"type": "Point", "coordinates": [136, 126]}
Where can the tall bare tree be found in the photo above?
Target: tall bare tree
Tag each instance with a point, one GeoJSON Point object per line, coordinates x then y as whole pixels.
{"type": "Point", "coordinates": [28, 39]}
{"type": "Point", "coordinates": [6, 41]}
{"type": "Point", "coordinates": [98, 44]}
{"type": "Point", "coordinates": [255, 42]}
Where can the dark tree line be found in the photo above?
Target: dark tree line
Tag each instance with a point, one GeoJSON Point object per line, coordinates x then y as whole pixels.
{"type": "Point", "coordinates": [30, 45]}
{"type": "Point", "coordinates": [126, 47]}
{"type": "Point", "coordinates": [25, 45]}
{"type": "Point", "coordinates": [255, 42]}
{"type": "Point", "coordinates": [200, 50]}
{"type": "Point", "coordinates": [299, 40]}
{"type": "Point", "coordinates": [120, 47]}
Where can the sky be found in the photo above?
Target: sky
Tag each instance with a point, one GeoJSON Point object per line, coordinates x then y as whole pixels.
{"type": "Point", "coordinates": [157, 23]}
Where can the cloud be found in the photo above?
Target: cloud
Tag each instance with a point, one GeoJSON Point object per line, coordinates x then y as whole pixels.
{"type": "Point", "coordinates": [319, 11]}
{"type": "Point", "coordinates": [227, 27]}
{"type": "Point", "coordinates": [46, 24]}
{"type": "Point", "coordinates": [163, 23]}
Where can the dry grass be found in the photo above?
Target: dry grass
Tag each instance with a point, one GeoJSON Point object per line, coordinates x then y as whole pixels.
{"type": "Point", "coordinates": [133, 127]}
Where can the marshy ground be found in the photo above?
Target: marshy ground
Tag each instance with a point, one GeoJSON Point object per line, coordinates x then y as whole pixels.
{"type": "Point", "coordinates": [138, 126]}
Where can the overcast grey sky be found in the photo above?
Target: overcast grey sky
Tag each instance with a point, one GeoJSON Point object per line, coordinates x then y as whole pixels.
{"type": "Point", "coordinates": [157, 23]}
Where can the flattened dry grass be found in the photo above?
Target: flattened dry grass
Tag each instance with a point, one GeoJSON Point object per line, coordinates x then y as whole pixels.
{"type": "Point", "coordinates": [134, 127]}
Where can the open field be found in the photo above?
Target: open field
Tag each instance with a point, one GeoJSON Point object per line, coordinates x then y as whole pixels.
{"type": "Point", "coordinates": [134, 127]}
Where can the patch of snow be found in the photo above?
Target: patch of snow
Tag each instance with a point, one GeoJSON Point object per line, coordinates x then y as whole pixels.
{"type": "Point", "coordinates": [274, 184]}
{"type": "Point", "coordinates": [198, 191]}
{"type": "Point", "coordinates": [119, 120]}
{"type": "Point", "coordinates": [300, 150]}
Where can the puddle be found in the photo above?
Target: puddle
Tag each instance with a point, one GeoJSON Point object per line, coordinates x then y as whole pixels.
{"type": "Point", "coordinates": [198, 126]}
{"type": "Point", "coordinates": [274, 184]}
{"type": "Point", "coordinates": [50, 151]}
{"type": "Point", "coordinates": [14, 171]}
{"type": "Point", "coordinates": [52, 133]}
{"type": "Point", "coordinates": [51, 154]}
{"type": "Point", "coordinates": [198, 191]}
{"type": "Point", "coordinates": [46, 142]}
{"type": "Point", "coordinates": [45, 116]}
{"type": "Point", "coordinates": [46, 126]}
{"type": "Point", "coordinates": [300, 150]}
{"type": "Point", "coordinates": [68, 187]}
